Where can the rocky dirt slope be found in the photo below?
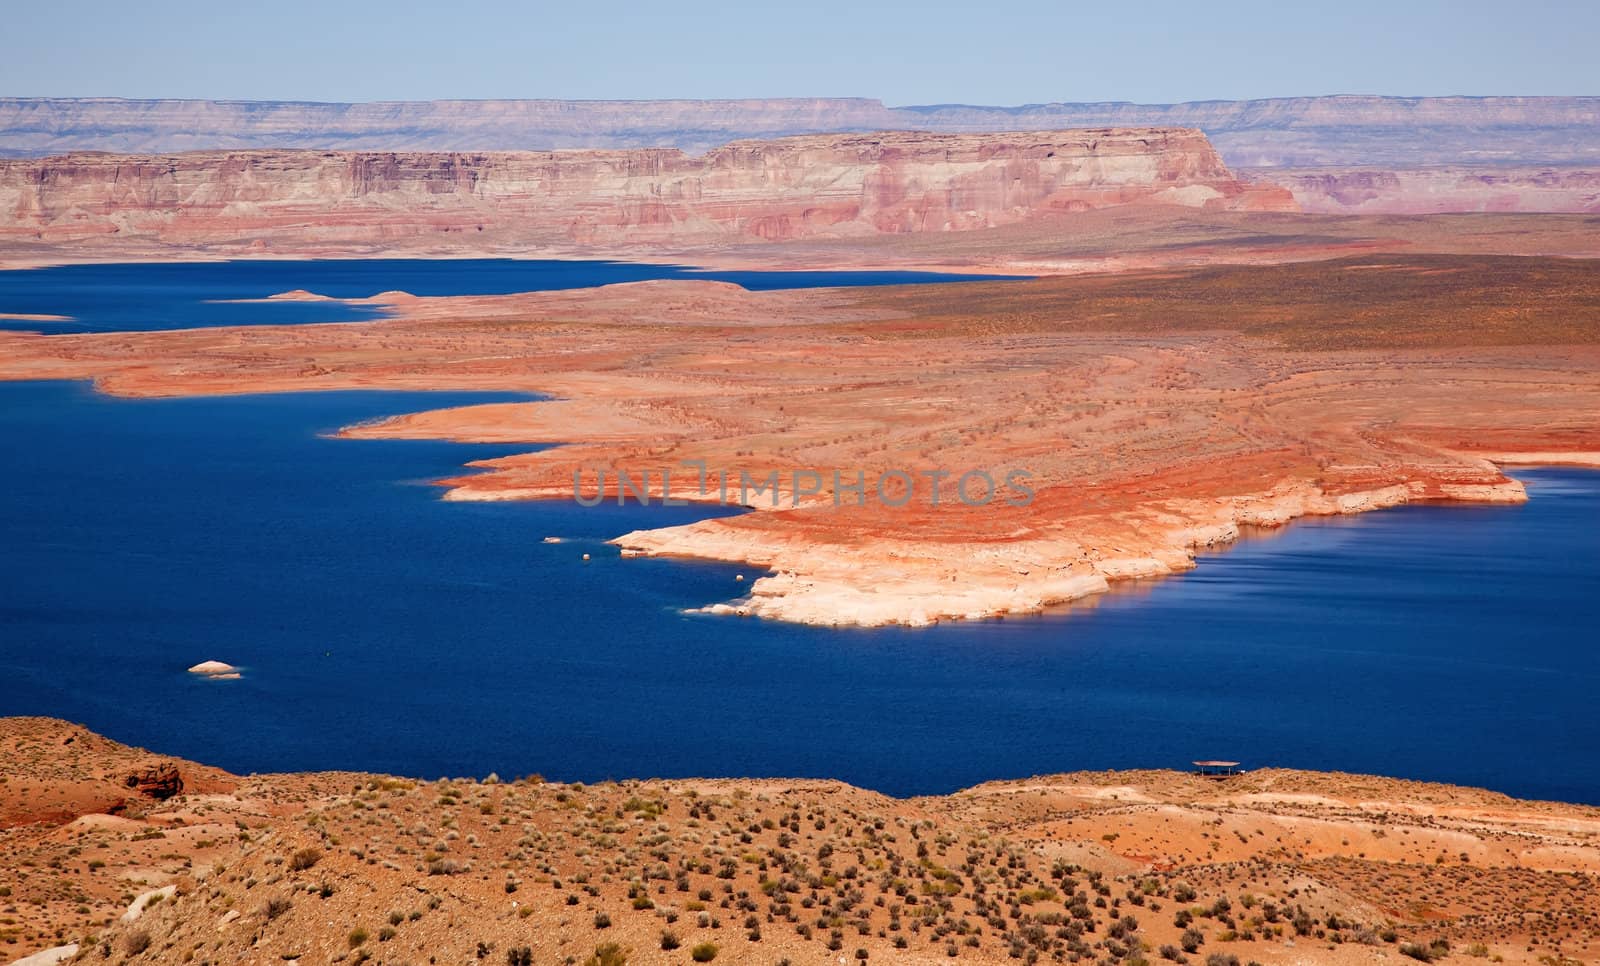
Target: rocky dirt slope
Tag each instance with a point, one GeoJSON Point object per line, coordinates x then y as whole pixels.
{"type": "Point", "coordinates": [1119, 867]}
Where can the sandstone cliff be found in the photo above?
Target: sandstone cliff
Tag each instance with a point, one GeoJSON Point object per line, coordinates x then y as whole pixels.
{"type": "Point", "coordinates": [1300, 131]}
{"type": "Point", "coordinates": [1438, 189]}
{"type": "Point", "coordinates": [820, 185]}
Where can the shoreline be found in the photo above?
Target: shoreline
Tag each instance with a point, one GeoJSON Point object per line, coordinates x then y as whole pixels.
{"type": "Point", "coordinates": [829, 596]}
{"type": "Point", "coordinates": [1145, 446]}
{"type": "Point", "coordinates": [824, 595]}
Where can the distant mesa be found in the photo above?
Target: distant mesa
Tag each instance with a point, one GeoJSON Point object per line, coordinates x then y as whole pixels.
{"type": "Point", "coordinates": [1270, 132]}
{"type": "Point", "coordinates": [830, 185]}
{"type": "Point", "coordinates": [216, 670]}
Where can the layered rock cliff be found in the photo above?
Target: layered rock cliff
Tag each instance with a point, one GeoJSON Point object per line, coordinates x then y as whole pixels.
{"type": "Point", "coordinates": [821, 185]}
{"type": "Point", "coordinates": [1341, 129]}
{"type": "Point", "coordinates": [1299, 131]}
{"type": "Point", "coordinates": [1431, 190]}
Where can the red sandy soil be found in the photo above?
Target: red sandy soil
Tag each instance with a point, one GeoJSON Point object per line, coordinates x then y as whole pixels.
{"type": "Point", "coordinates": [1272, 866]}
{"type": "Point", "coordinates": [1156, 412]}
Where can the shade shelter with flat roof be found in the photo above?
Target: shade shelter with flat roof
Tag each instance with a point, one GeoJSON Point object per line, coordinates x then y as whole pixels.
{"type": "Point", "coordinates": [1215, 769]}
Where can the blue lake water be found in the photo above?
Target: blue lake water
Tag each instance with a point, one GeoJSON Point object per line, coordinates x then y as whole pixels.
{"type": "Point", "coordinates": [383, 629]}
{"type": "Point", "coordinates": [182, 295]}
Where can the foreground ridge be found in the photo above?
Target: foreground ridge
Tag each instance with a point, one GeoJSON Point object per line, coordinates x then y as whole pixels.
{"type": "Point", "coordinates": [1274, 866]}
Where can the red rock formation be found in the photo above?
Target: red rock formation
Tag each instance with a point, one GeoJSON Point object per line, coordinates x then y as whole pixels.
{"type": "Point", "coordinates": [788, 188]}
{"type": "Point", "coordinates": [160, 781]}
{"type": "Point", "coordinates": [1439, 189]}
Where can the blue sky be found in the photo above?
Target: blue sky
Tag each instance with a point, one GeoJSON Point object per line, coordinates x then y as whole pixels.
{"type": "Point", "coordinates": [904, 53]}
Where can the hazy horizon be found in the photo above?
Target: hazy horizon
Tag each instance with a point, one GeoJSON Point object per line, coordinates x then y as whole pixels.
{"type": "Point", "coordinates": [940, 52]}
{"type": "Point", "coordinates": [777, 97]}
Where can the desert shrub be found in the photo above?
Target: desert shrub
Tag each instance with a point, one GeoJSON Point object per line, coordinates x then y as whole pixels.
{"type": "Point", "coordinates": [704, 952]}
{"type": "Point", "coordinates": [357, 937]}
{"type": "Point", "coordinates": [602, 921]}
{"type": "Point", "coordinates": [304, 859]}
{"type": "Point", "coordinates": [670, 940]}
{"type": "Point", "coordinates": [519, 957]}
{"type": "Point", "coordinates": [607, 954]}
{"type": "Point", "coordinates": [1438, 949]}
{"type": "Point", "coordinates": [136, 942]}
{"type": "Point", "coordinates": [1191, 940]}
{"type": "Point", "coordinates": [1222, 959]}
{"type": "Point", "coordinates": [276, 907]}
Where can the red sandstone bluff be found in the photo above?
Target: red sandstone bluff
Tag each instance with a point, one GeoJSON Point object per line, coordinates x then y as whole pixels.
{"type": "Point", "coordinates": [809, 186]}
